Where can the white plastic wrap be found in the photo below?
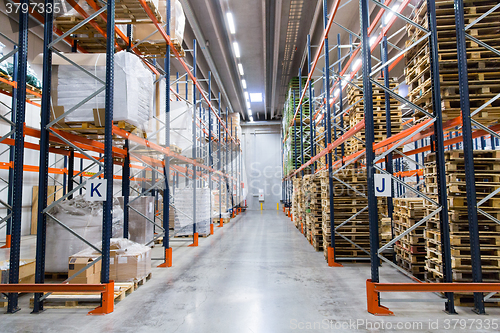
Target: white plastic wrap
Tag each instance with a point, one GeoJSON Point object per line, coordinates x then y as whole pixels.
{"type": "Point", "coordinates": [129, 261]}
{"type": "Point", "coordinates": [140, 230]}
{"type": "Point", "coordinates": [133, 90]}
{"type": "Point", "coordinates": [177, 24]}
{"type": "Point", "coordinates": [184, 202]}
{"type": "Point", "coordinates": [84, 218]}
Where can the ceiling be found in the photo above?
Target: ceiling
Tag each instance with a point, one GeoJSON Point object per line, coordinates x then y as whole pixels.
{"type": "Point", "coordinates": [272, 39]}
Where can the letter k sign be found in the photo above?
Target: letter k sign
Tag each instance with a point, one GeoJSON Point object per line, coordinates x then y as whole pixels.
{"type": "Point", "coordinates": [96, 190]}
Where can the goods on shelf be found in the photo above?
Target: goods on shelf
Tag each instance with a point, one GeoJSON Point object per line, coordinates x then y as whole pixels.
{"type": "Point", "coordinates": [234, 121]}
{"type": "Point", "coordinates": [313, 211]}
{"type": "Point", "coordinates": [216, 197]}
{"type": "Point", "coordinates": [184, 206]}
{"type": "Point", "coordinates": [128, 261]}
{"type": "Point", "coordinates": [410, 250]}
{"type": "Point", "coordinates": [133, 86]}
{"type": "Point", "coordinates": [26, 271]}
{"type": "Point", "coordinates": [140, 230]}
{"type": "Point", "coordinates": [482, 64]}
{"type": "Point", "coordinates": [487, 176]}
{"type": "Point", "coordinates": [347, 203]}
{"type": "Point", "coordinates": [352, 239]}
{"type": "Point", "coordinates": [356, 114]}
{"type": "Point", "coordinates": [298, 204]}
{"type": "Point", "coordinates": [85, 219]}
{"type": "Point", "coordinates": [292, 133]}
{"type": "Point", "coordinates": [177, 24]}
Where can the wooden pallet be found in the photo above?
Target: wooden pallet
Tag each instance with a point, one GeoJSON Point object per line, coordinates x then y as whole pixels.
{"type": "Point", "coordinates": [90, 301]}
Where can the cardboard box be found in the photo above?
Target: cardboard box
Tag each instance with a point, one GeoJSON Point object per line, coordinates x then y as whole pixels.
{"type": "Point", "coordinates": [26, 271]}
{"type": "Point", "coordinates": [89, 276]}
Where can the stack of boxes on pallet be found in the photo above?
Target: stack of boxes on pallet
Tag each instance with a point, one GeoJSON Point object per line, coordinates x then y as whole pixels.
{"type": "Point", "coordinates": [487, 171]}
{"type": "Point", "coordinates": [312, 203]}
{"type": "Point", "coordinates": [356, 114]}
{"type": "Point", "coordinates": [410, 249]}
{"type": "Point", "coordinates": [482, 63]}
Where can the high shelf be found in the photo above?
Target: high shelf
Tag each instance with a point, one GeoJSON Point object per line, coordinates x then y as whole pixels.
{"type": "Point", "coordinates": [427, 141]}
{"type": "Point", "coordinates": [144, 163]}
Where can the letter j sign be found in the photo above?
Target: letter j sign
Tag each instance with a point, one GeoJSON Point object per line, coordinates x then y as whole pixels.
{"type": "Point", "coordinates": [96, 190]}
{"type": "Point", "coordinates": [383, 185]}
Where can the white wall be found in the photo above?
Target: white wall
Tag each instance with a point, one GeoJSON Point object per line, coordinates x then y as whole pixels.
{"type": "Point", "coordinates": [262, 159]}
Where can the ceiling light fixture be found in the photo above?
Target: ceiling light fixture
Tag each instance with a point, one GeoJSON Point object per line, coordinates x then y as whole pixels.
{"type": "Point", "coordinates": [240, 68]}
{"type": "Point", "coordinates": [248, 105]}
{"type": "Point", "coordinates": [230, 22]}
{"type": "Point", "coordinates": [372, 40]}
{"type": "Point", "coordinates": [246, 95]}
{"type": "Point", "coordinates": [236, 49]}
{"type": "Point", "coordinates": [256, 97]}
{"type": "Point", "coordinates": [244, 83]}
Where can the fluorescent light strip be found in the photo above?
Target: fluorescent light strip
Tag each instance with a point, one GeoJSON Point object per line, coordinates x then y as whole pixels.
{"type": "Point", "coordinates": [240, 67]}
{"type": "Point", "coordinates": [244, 83]}
{"type": "Point", "coordinates": [230, 22]}
{"type": "Point", "coordinates": [236, 50]}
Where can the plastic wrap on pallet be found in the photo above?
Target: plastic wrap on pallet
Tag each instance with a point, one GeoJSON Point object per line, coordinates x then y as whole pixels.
{"type": "Point", "coordinates": [133, 98]}
{"type": "Point", "coordinates": [183, 225]}
{"type": "Point", "coordinates": [140, 229]}
{"type": "Point", "coordinates": [85, 219]}
{"type": "Point", "coordinates": [129, 261]}
{"type": "Point", "coordinates": [177, 24]}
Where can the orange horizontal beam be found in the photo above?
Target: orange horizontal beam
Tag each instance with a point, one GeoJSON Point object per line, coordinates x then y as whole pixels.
{"type": "Point", "coordinates": [437, 287]}
{"type": "Point", "coordinates": [52, 287]}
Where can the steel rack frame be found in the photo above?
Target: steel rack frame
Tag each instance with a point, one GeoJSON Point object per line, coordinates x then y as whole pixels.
{"type": "Point", "coordinates": [80, 146]}
{"type": "Point", "coordinates": [430, 132]}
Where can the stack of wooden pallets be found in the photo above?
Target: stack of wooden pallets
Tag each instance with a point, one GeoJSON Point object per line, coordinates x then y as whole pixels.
{"type": "Point", "coordinates": [347, 203]}
{"type": "Point", "coordinates": [487, 174]}
{"type": "Point", "coordinates": [356, 114]}
{"type": "Point", "coordinates": [482, 63]}
{"type": "Point", "coordinates": [410, 250]}
{"type": "Point", "coordinates": [312, 203]}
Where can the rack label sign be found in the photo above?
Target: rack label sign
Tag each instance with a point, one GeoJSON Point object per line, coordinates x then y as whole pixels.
{"type": "Point", "coordinates": [96, 190]}
{"type": "Point", "coordinates": [383, 185]}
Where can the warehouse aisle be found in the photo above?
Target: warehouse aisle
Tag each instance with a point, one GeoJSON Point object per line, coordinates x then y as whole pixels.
{"type": "Point", "coordinates": [256, 274]}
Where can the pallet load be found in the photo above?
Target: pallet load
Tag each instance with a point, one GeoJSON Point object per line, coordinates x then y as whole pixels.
{"type": "Point", "coordinates": [183, 225]}
{"type": "Point", "coordinates": [351, 205]}
{"type": "Point", "coordinates": [410, 250]}
{"type": "Point", "coordinates": [297, 204]}
{"type": "Point", "coordinates": [312, 202]}
{"type": "Point", "coordinates": [320, 146]}
{"type": "Point", "coordinates": [482, 64]}
{"type": "Point", "coordinates": [293, 132]}
{"type": "Point", "coordinates": [347, 203]}
{"type": "Point", "coordinates": [487, 176]}
{"type": "Point", "coordinates": [357, 113]}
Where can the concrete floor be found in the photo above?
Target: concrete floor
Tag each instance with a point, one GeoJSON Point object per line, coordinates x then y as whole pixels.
{"type": "Point", "coordinates": [257, 274]}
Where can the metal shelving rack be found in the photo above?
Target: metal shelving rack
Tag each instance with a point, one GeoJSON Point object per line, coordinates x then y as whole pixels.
{"type": "Point", "coordinates": [377, 157]}
{"type": "Point", "coordinates": [161, 169]}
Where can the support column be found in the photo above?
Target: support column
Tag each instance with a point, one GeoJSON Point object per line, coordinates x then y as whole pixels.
{"type": "Point", "coordinates": [126, 189]}
{"type": "Point", "coordinates": [439, 148]}
{"type": "Point", "coordinates": [43, 179]}
{"type": "Point", "coordinates": [18, 156]}
{"type": "Point", "coordinates": [470, 181]}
